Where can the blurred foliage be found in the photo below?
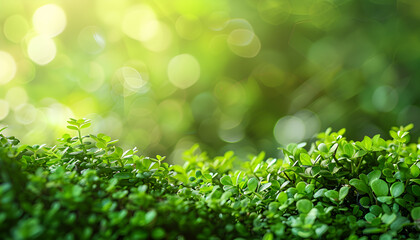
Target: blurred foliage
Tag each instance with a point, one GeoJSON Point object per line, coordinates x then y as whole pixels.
{"type": "Point", "coordinates": [239, 75]}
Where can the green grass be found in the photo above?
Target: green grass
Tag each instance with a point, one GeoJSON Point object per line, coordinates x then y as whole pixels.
{"type": "Point", "coordinates": [86, 187]}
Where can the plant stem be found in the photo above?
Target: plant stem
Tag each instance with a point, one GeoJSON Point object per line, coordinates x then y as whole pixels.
{"type": "Point", "coordinates": [81, 141]}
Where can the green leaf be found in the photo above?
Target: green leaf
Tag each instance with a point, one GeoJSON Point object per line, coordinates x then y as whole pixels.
{"type": "Point", "coordinates": [226, 180]}
{"type": "Point", "coordinates": [85, 125]}
{"type": "Point", "coordinates": [332, 194]}
{"type": "Point", "coordinates": [393, 134]}
{"type": "Point", "coordinates": [349, 149]}
{"type": "Point", "coordinates": [388, 218]}
{"type": "Point", "coordinates": [370, 217]}
{"type": "Point", "coordinates": [304, 205]}
{"type": "Point", "coordinates": [375, 209]}
{"type": "Point", "coordinates": [365, 202]}
{"type": "Point", "coordinates": [123, 175]}
{"type": "Point", "coordinates": [360, 153]}
{"type": "Point", "coordinates": [320, 193]}
{"type": "Point", "coordinates": [305, 159]}
{"type": "Point", "coordinates": [385, 199]}
{"type": "Point", "coordinates": [367, 143]}
{"type": "Point", "coordinates": [343, 193]}
{"type": "Point", "coordinates": [415, 213]}
{"type": "Point", "coordinates": [268, 236]}
{"type": "Point", "coordinates": [360, 185]}
{"type": "Point", "coordinates": [397, 189]}
{"type": "Point", "coordinates": [28, 229]}
{"type": "Point", "coordinates": [301, 187]}
{"type": "Point", "coordinates": [415, 170]}
{"type": "Point", "coordinates": [150, 216]}
{"type": "Point", "coordinates": [416, 190]}
{"type": "Point", "coordinates": [380, 187]}
{"type": "Point", "coordinates": [265, 186]}
{"type": "Point", "coordinates": [415, 180]}
{"type": "Point", "coordinates": [252, 184]}
{"type": "Point", "coordinates": [399, 223]}
{"type": "Point", "coordinates": [376, 174]}
{"type": "Point", "coordinates": [282, 197]}
{"type": "Point", "coordinates": [323, 148]}
{"type": "Point", "coordinates": [72, 127]}
{"type": "Point", "coordinates": [205, 189]}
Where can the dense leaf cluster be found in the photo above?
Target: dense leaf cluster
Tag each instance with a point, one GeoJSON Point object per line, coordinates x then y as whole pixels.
{"type": "Point", "coordinates": [86, 187]}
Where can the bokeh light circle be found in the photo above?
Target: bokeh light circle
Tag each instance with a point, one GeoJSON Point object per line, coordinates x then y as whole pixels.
{"type": "Point", "coordinates": [91, 39]}
{"type": "Point", "coordinates": [240, 37]}
{"type": "Point", "coordinates": [289, 129]}
{"type": "Point", "coordinates": [161, 40]}
{"type": "Point", "coordinates": [140, 23]}
{"type": "Point", "coordinates": [4, 109]}
{"type": "Point", "coordinates": [128, 80]}
{"type": "Point", "coordinates": [183, 71]}
{"type": "Point", "coordinates": [274, 11]}
{"type": "Point", "coordinates": [7, 67]}
{"type": "Point", "coordinates": [49, 20]}
{"type": "Point", "coordinates": [384, 98]}
{"type": "Point", "coordinates": [16, 96]}
{"type": "Point", "coordinates": [15, 28]}
{"type": "Point", "coordinates": [231, 135]}
{"type": "Point", "coordinates": [25, 114]}
{"type": "Point", "coordinates": [244, 43]}
{"type": "Point", "coordinates": [188, 27]}
{"type": "Point", "coordinates": [41, 49]}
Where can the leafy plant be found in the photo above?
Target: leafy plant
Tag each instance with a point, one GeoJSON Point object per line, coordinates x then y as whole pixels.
{"type": "Point", "coordinates": [85, 187]}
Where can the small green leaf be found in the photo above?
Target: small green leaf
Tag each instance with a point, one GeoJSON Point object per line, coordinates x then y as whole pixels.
{"type": "Point", "coordinates": [367, 143]}
{"type": "Point", "coordinates": [72, 127]}
{"type": "Point", "coordinates": [205, 189]}
{"type": "Point", "coordinates": [85, 125]}
{"type": "Point", "coordinates": [416, 190]}
{"type": "Point", "coordinates": [399, 223]}
{"type": "Point", "coordinates": [305, 159]}
{"type": "Point", "coordinates": [282, 197]}
{"type": "Point", "coordinates": [150, 216]}
{"type": "Point", "coordinates": [415, 213]}
{"type": "Point", "coordinates": [349, 150]}
{"type": "Point", "coordinates": [380, 187]}
{"type": "Point", "coordinates": [323, 148]}
{"type": "Point", "coordinates": [359, 185]}
{"type": "Point", "coordinates": [375, 209]}
{"type": "Point", "coordinates": [388, 218]}
{"type": "Point", "coordinates": [360, 153]}
{"type": "Point", "coordinates": [376, 174]}
{"type": "Point", "coordinates": [370, 217]}
{"type": "Point", "coordinates": [320, 193]}
{"type": "Point", "coordinates": [415, 170]}
{"type": "Point", "coordinates": [304, 205]}
{"type": "Point", "coordinates": [265, 186]}
{"type": "Point", "coordinates": [393, 134]}
{"type": "Point", "coordinates": [252, 184]}
{"type": "Point", "coordinates": [301, 187]}
{"type": "Point", "coordinates": [385, 199]}
{"type": "Point", "coordinates": [268, 236]}
{"type": "Point", "coordinates": [365, 202]}
{"type": "Point", "coordinates": [343, 193]}
{"type": "Point", "coordinates": [397, 189]}
{"type": "Point", "coordinates": [226, 180]}
{"type": "Point", "coordinates": [123, 175]}
{"type": "Point", "coordinates": [332, 194]}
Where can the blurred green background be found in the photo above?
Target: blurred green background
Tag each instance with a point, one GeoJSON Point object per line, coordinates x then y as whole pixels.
{"type": "Point", "coordinates": [230, 75]}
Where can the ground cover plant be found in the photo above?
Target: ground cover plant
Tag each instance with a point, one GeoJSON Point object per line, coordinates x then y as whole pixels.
{"type": "Point", "coordinates": [86, 187]}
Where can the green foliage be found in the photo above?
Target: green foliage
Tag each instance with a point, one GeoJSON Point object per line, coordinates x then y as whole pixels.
{"type": "Point", "coordinates": [85, 187]}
